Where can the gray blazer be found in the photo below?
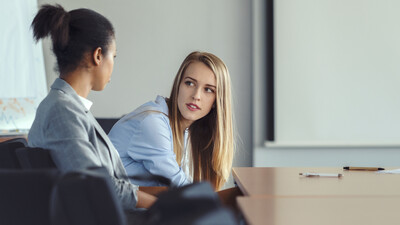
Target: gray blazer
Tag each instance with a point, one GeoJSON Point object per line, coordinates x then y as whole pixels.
{"type": "Point", "coordinates": [64, 126]}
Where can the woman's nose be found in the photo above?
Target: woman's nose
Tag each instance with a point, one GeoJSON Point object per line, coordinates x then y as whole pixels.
{"type": "Point", "coordinates": [196, 94]}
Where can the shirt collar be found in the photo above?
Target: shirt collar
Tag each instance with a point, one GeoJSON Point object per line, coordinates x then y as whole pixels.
{"type": "Point", "coordinates": [162, 102]}
{"type": "Point", "coordinates": [87, 103]}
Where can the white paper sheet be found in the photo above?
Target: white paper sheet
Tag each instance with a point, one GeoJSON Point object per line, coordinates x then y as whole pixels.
{"type": "Point", "coordinates": [395, 171]}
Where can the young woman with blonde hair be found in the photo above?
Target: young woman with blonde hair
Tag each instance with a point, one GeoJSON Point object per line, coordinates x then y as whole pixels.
{"type": "Point", "coordinates": [186, 137]}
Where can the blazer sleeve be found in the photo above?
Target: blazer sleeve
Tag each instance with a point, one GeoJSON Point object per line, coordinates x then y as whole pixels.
{"type": "Point", "coordinates": [152, 145]}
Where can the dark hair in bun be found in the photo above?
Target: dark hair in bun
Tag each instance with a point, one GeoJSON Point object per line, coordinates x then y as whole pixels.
{"type": "Point", "coordinates": [73, 33]}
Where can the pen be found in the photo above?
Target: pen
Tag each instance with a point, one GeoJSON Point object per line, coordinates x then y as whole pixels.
{"type": "Point", "coordinates": [321, 174]}
{"type": "Point", "coordinates": [363, 168]}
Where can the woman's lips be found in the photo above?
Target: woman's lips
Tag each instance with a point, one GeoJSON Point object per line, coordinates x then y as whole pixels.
{"type": "Point", "coordinates": [192, 107]}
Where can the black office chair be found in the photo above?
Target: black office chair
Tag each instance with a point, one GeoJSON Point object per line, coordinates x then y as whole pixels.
{"type": "Point", "coordinates": [195, 203]}
{"type": "Point", "coordinates": [8, 157]}
{"type": "Point", "coordinates": [107, 123]}
{"type": "Point", "coordinates": [82, 197]}
{"type": "Point", "coordinates": [46, 196]}
{"type": "Point", "coordinates": [19, 140]}
{"type": "Point", "coordinates": [25, 196]}
{"type": "Point", "coordinates": [86, 197]}
{"type": "Point", "coordinates": [34, 158]}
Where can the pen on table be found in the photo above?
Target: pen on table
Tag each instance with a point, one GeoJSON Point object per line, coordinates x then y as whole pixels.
{"type": "Point", "coordinates": [363, 168]}
{"type": "Point", "coordinates": [321, 174]}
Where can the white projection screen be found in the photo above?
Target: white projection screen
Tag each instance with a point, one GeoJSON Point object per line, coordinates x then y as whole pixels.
{"type": "Point", "coordinates": [337, 72]}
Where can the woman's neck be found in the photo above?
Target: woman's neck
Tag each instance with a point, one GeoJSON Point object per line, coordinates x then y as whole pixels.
{"type": "Point", "coordinates": [80, 81]}
{"type": "Point", "coordinates": [185, 124]}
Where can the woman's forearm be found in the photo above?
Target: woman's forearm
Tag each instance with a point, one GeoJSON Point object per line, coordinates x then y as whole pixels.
{"type": "Point", "coordinates": [145, 200]}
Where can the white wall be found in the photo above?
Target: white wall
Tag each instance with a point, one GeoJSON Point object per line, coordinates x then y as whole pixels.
{"type": "Point", "coordinates": [340, 15]}
{"type": "Point", "coordinates": [326, 157]}
{"type": "Point", "coordinates": [153, 38]}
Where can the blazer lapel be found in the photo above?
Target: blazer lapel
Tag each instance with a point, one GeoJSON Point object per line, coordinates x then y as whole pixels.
{"type": "Point", "coordinates": [119, 169]}
{"type": "Point", "coordinates": [110, 146]}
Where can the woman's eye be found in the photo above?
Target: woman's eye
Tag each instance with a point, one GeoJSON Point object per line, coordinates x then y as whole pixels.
{"type": "Point", "coordinates": [189, 83]}
{"type": "Point", "coordinates": [209, 90]}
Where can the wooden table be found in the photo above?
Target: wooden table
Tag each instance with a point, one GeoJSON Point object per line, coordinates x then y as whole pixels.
{"type": "Point", "coordinates": [280, 196]}
{"type": "Point", "coordinates": [280, 182]}
{"type": "Point", "coordinates": [5, 138]}
{"type": "Point", "coordinates": [320, 210]}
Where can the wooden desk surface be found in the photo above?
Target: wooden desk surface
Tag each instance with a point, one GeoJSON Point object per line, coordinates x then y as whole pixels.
{"type": "Point", "coordinates": [320, 210]}
{"type": "Point", "coordinates": [5, 138]}
{"type": "Point", "coordinates": [255, 181]}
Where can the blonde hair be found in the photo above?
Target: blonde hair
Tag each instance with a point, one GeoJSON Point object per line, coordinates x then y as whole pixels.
{"type": "Point", "coordinates": [211, 137]}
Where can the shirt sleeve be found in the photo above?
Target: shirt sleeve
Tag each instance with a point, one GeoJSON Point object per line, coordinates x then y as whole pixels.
{"type": "Point", "coordinates": [152, 145]}
{"type": "Point", "coordinates": [66, 135]}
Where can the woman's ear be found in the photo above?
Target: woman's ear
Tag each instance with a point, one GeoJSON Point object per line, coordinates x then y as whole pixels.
{"type": "Point", "coordinates": [97, 56]}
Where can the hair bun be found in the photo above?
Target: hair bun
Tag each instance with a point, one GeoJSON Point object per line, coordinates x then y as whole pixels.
{"type": "Point", "coordinates": [53, 20]}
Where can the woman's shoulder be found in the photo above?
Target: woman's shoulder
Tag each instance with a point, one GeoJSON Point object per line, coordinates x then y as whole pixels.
{"type": "Point", "coordinates": [149, 110]}
{"type": "Point", "coordinates": [158, 105]}
{"type": "Point", "coordinates": [56, 103]}
{"type": "Point", "coordinates": [154, 119]}
{"type": "Point", "coordinates": [151, 120]}
{"type": "Point", "coordinates": [147, 124]}
{"type": "Point", "coordinates": [150, 114]}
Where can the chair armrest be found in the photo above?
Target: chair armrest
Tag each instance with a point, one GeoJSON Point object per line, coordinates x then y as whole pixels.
{"type": "Point", "coordinates": [228, 197]}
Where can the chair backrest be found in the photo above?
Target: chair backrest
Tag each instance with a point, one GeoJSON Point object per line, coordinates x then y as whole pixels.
{"type": "Point", "coordinates": [34, 158]}
{"type": "Point", "coordinates": [25, 195]}
{"type": "Point", "coordinates": [46, 196]}
{"type": "Point", "coordinates": [19, 139]}
{"type": "Point", "coordinates": [107, 123]}
{"type": "Point", "coordinates": [86, 197]}
{"type": "Point", "coordinates": [8, 157]}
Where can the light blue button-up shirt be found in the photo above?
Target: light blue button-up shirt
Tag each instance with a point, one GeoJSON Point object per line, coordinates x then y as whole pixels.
{"type": "Point", "coordinates": [145, 144]}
